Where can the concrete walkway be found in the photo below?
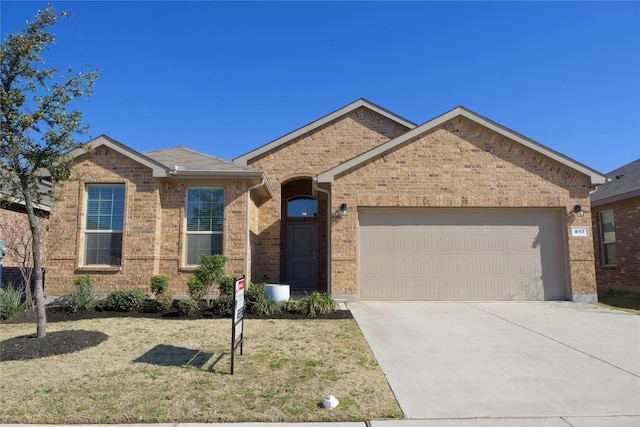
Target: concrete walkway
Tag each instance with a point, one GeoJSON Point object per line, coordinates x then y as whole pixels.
{"type": "Point", "coordinates": [559, 363]}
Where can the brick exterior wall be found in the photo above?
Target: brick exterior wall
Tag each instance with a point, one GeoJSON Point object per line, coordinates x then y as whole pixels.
{"type": "Point", "coordinates": [306, 157]}
{"type": "Point", "coordinates": [460, 164]}
{"type": "Point", "coordinates": [15, 231]}
{"type": "Point", "coordinates": [153, 240]}
{"type": "Point", "coordinates": [626, 274]}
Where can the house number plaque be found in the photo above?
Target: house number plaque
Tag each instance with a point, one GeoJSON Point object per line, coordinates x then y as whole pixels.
{"type": "Point", "coordinates": [579, 231]}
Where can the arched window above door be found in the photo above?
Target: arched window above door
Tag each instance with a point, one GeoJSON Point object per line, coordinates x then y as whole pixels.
{"type": "Point", "coordinates": [302, 207]}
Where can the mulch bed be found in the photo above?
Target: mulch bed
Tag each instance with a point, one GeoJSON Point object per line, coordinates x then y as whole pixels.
{"type": "Point", "coordinates": [28, 347]}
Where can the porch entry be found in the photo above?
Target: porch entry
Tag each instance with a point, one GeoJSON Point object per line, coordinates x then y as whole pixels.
{"type": "Point", "coordinates": [302, 255]}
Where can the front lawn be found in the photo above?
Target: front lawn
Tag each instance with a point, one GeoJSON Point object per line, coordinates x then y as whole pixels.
{"type": "Point", "coordinates": [161, 371]}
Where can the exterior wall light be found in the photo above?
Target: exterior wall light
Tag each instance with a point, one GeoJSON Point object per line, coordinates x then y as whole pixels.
{"type": "Point", "coordinates": [343, 209]}
{"type": "Point", "coordinates": [578, 210]}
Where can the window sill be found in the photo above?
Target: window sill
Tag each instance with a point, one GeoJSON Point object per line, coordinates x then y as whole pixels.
{"type": "Point", "coordinates": [101, 268]}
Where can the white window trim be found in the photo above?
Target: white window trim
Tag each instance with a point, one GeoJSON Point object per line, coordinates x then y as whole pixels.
{"type": "Point", "coordinates": [185, 251]}
{"type": "Point", "coordinates": [84, 264]}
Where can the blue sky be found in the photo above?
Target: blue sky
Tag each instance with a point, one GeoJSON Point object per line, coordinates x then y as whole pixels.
{"type": "Point", "coordinates": [227, 77]}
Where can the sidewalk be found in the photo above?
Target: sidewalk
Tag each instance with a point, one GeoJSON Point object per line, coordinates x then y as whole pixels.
{"type": "Point", "coordinates": [614, 421]}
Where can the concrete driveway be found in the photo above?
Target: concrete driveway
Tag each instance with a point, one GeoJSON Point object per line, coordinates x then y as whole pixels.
{"type": "Point", "coordinates": [498, 360]}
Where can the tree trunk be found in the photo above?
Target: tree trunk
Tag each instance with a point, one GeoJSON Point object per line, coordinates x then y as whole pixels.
{"type": "Point", "coordinates": [41, 313]}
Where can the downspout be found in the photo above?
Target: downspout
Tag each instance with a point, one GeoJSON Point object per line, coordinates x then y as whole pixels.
{"type": "Point", "coordinates": [328, 193]}
{"type": "Point", "coordinates": [248, 233]}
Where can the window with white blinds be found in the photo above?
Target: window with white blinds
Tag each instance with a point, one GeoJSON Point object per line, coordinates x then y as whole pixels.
{"type": "Point", "coordinates": [103, 227]}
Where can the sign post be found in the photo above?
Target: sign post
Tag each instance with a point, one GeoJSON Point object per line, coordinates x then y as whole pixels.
{"type": "Point", "coordinates": [238, 316]}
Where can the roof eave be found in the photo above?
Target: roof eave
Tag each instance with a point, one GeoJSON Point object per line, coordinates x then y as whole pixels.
{"type": "Point", "coordinates": [158, 170]}
{"type": "Point", "coordinates": [253, 177]}
{"type": "Point", "coordinates": [616, 198]}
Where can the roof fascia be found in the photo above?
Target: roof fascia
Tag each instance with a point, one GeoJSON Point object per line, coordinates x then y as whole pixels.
{"type": "Point", "coordinates": [244, 159]}
{"type": "Point", "coordinates": [330, 175]}
{"type": "Point", "coordinates": [159, 170]}
{"type": "Point", "coordinates": [254, 177]}
{"type": "Point", "coordinates": [615, 198]}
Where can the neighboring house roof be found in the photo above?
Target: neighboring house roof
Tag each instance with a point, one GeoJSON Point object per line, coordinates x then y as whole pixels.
{"type": "Point", "coordinates": [243, 160]}
{"type": "Point", "coordinates": [622, 183]}
{"type": "Point", "coordinates": [181, 162]}
{"type": "Point", "coordinates": [330, 175]}
{"type": "Point", "coordinates": [45, 202]}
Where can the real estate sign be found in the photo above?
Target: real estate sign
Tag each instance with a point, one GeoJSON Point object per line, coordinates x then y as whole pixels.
{"type": "Point", "coordinates": [238, 316]}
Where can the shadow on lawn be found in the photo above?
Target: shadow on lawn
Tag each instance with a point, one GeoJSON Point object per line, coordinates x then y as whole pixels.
{"type": "Point", "coordinates": [169, 355]}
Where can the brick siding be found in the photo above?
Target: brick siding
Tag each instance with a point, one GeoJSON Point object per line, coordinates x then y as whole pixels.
{"type": "Point", "coordinates": [460, 164]}
{"type": "Point", "coordinates": [304, 157]}
{"type": "Point", "coordinates": [153, 241]}
{"type": "Point", "coordinates": [626, 274]}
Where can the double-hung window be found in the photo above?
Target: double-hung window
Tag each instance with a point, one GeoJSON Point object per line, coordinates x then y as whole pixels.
{"type": "Point", "coordinates": [608, 236]}
{"type": "Point", "coordinates": [103, 229]}
{"type": "Point", "coordinates": [205, 215]}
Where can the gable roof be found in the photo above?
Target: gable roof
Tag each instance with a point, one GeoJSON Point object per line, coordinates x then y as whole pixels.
{"type": "Point", "coordinates": [244, 159]}
{"type": "Point", "coordinates": [622, 183]}
{"type": "Point", "coordinates": [182, 162]}
{"type": "Point", "coordinates": [158, 169]}
{"type": "Point", "coordinates": [330, 175]}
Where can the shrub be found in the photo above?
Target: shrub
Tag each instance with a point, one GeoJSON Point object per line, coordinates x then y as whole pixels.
{"type": "Point", "coordinates": [225, 285]}
{"type": "Point", "coordinates": [126, 300]}
{"type": "Point", "coordinates": [317, 304]}
{"type": "Point", "coordinates": [210, 269]}
{"type": "Point", "coordinates": [84, 295]}
{"type": "Point", "coordinates": [290, 306]}
{"type": "Point", "coordinates": [162, 303]}
{"type": "Point", "coordinates": [12, 302]}
{"type": "Point", "coordinates": [222, 306]}
{"type": "Point", "coordinates": [197, 289]}
{"type": "Point", "coordinates": [184, 307]}
{"type": "Point", "coordinates": [253, 295]}
{"type": "Point", "coordinates": [159, 284]}
{"type": "Point", "coordinates": [266, 307]}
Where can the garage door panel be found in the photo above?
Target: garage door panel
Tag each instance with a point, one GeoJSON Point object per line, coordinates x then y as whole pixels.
{"type": "Point", "coordinates": [459, 256]}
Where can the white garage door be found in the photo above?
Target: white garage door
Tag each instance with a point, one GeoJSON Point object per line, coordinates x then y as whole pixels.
{"type": "Point", "coordinates": [458, 255]}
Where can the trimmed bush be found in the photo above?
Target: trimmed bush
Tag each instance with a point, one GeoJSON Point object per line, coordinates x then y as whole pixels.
{"type": "Point", "coordinates": [12, 302]}
{"type": "Point", "coordinates": [210, 269]}
{"type": "Point", "coordinates": [197, 289]}
{"type": "Point", "coordinates": [159, 284]}
{"type": "Point", "coordinates": [225, 285]}
{"type": "Point", "coordinates": [317, 304]}
{"type": "Point", "coordinates": [184, 307]}
{"type": "Point", "coordinates": [253, 295]}
{"type": "Point", "coordinates": [126, 300]}
{"type": "Point", "coordinates": [162, 303]}
{"type": "Point", "coordinates": [222, 306]}
{"type": "Point", "coordinates": [84, 295]}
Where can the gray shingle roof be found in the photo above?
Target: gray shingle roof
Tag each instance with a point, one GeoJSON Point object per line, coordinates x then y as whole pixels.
{"type": "Point", "coordinates": [622, 183]}
{"type": "Point", "coordinates": [184, 159]}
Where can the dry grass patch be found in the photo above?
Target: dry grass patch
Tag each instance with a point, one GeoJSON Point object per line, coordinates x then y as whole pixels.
{"type": "Point", "coordinates": [152, 370]}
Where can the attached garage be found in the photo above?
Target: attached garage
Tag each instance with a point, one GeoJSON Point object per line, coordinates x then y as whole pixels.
{"type": "Point", "coordinates": [461, 254]}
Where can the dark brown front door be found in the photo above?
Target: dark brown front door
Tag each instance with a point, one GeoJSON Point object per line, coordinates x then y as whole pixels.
{"type": "Point", "coordinates": [302, 255]}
